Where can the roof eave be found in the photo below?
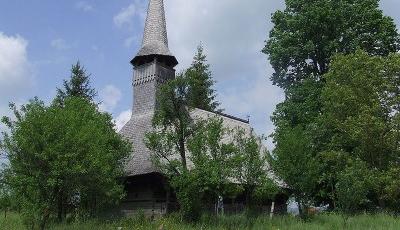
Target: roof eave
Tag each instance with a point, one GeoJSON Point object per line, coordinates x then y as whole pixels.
{"type": "Point", "coordinates": [142, 59]}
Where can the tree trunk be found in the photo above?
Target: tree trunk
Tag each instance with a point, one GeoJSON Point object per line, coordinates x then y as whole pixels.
{"type": "Point", "coordinates": [43, 222]}
{"type": "Point", "coordinates": [59, 208]}
{"type": "Point", "coordinates": [167, 200]}
{"type": "Point", "coordinates": [333, 195]}
{"type": "Point", "coordinates": [247, 197]}
{"type": "Point", "coordinates": [183, 153]}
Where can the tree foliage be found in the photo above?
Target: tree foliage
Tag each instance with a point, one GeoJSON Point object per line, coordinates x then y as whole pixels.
{"type": "Point", "coordinates": [252, 169]}
{"type": "Point", "coordinates": [353, 188]}
{"type": "Point", "coordinates": [360, 107]}
{"type": "Point", "coordinates": [307, 34]}
{"type": "Point", "coordinates": [302, 44]}
{"type": "Point", "coordinates": [172, 120]}
{"type": "Point", "coordinates": [202, 95]}
{"type": "Point", "coordinates": [200, 156]}
{"type": "Point", "coordinates": [5, 193]}
{"type": "Point", "coordinates": [293, 162]}
{"type": "Point", "coordinates": [173, 126]}
{"type": "Point", "coordinates": [360, 119]}
{"type": "Point", "coordinates": [63, 159]}
{"type": "Point", "coordinates": [77, 86]}
{"type": "Point", "coordinates": [214, 160]}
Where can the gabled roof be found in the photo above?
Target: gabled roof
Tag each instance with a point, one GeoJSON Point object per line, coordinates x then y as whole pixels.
{"type": "Point", "coordinates": [135, 130]}
{"type": "Point", "coordinates": [155, 39]}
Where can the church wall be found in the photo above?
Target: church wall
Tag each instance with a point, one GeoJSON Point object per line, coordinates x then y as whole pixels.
{"type": "Point", "coordinates": [145, 193]}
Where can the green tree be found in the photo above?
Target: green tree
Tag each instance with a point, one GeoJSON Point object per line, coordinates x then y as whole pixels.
{"type": "Point", "coordinates": [307, 34]}
{"type": "Point", "coordinates": [359, 107]}
{"type": "Point", "coordinates": [305, 37]}
{"type": "Point", "coordinates": [63, 159]}
{"type": "Point", "coordinates": [173, 126]}
{"type": "Point", "coordinates": [5, 193]}
{"type": "Point", "coordinates": [176, 134]}
{"type": "Point", "coordinates": [77, 86]}
{"type": "Point", "coordinates": [389, 188]}
{"type": "Point", "coordinates": [252, 169]}
{"type": "Point", "coordinates": [293, 162]}
{"type": "Point", "coordinates": [360, 112]}
{"type": "Point", "coordinates": [332, 163]}
{"type": "Point", "coordinates": [353, 187]}
{"type": "Point", "coordinates": [172, 120]}
{"type": "Point", "coordinates": [201, 94]}
{"type": "Point", "coordinates": [214, 160]}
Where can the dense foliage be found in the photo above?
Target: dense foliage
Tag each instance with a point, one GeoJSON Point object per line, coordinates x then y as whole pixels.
{"type": "Point", "coordinates": [63, 159]}
{"type": "Point", "coordinates": [339, 119]}
{"type": "Point", "coordinates": [308, 33]}
{"type": "Point", "coordinates": [360, 122]}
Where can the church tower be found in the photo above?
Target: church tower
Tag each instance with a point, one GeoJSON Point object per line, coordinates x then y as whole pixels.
{"type": "Point", "coordinates": [153, 65]}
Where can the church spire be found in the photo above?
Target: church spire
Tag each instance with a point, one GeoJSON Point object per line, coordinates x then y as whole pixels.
{"type": "Point", "coordinates": [155, 39]}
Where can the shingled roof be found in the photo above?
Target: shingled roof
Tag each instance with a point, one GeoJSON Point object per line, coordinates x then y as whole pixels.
{"type": "Point", "coordinates": [155, 39]}
{"type": "Point", "coordinates": [135, 130]}
{"type": "Point", "coordinates": [140, 162]}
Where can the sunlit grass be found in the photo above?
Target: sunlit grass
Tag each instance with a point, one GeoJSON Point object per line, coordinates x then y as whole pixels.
{"type": "Point", "coordinates": [326, 221]}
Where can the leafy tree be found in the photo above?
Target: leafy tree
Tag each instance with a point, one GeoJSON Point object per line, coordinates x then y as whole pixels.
{"type": "Point", "coordinates": [307, 34]}
{"type": "Point", "coordinates": [353, 187]}
{"type": "Point", "coordinates": [360, 112]}
{"type": "Point", "coordinates": [332, 163]}
{"type": "Point", "coordinates": [202, 95]}
{"type": "Point", "coordinates": [293, 162]}
{"type": "Point", "coordinates": [191, 151]}
{"type": "Point", "coordinates": [173, 127]}
{"type": "Point", "coordinates": [189, 195]}
{"type": "Point", "coordinates": [63, 158]}
{"type": "Point", "coordinates": [359, 107]}
{"type": "Point", "coordinates": [5, 194]}
{"type": "Point", "coordinates": [252, 169]}
{"type": "Point", "coordinates": [214, 160]}
{"type": "Point", "coordinates": [305, 37]}
{"type": "Point", "coordinates": [389, 188]}
{"type": "Point", "coordinates": [173, 121]}
{"type": "Point", "coordinates": [77, 86]}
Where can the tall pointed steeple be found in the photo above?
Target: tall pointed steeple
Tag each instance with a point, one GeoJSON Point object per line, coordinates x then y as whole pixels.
{"type": "Point", "coordinates": [155, 39]}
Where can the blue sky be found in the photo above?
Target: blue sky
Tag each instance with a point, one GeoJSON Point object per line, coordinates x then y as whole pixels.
{"type": "Point", "coordinates": [41, 39]}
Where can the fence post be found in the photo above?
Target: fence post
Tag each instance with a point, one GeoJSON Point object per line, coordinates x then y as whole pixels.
{"type": "Point", "coordinates": [272, 210]}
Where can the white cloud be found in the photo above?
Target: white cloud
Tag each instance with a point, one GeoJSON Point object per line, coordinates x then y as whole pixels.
{"type": "Point", "coordinates": [122, 119]}
{"type": "Point", "coordinates": [16, 75]}
{"type": "Point", "coordinates": [233, 33]}
{"type": "Point", "coordinates": [95, 48]}
{"type": "Point", "coordinates": [129, 41]}
{"type": "Point", "coordinates": [84, 6]}
{"type": "Point", "coordinates": [59, 44]}
{"type": "Point", "coordinates": [109, 96]}
{"type": "Point", "coordinates": [256, 99]}
{"type": "Point", "coordinates": [125, 16]}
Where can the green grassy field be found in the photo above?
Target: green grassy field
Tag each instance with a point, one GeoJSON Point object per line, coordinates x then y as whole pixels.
{"type": "Point", "coordinates": [327, 221]}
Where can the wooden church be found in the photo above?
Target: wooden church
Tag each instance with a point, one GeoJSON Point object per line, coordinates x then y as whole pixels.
{"type": "Point", "coordinates": [147, 188]}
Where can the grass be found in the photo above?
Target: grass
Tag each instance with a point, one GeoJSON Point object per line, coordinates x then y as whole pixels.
{"type": "Point", "coordinates": [326, 221]}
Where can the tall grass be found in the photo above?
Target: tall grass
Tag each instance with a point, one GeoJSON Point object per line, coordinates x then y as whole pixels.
{"type": "Point", "coordinates": [326, 221]}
